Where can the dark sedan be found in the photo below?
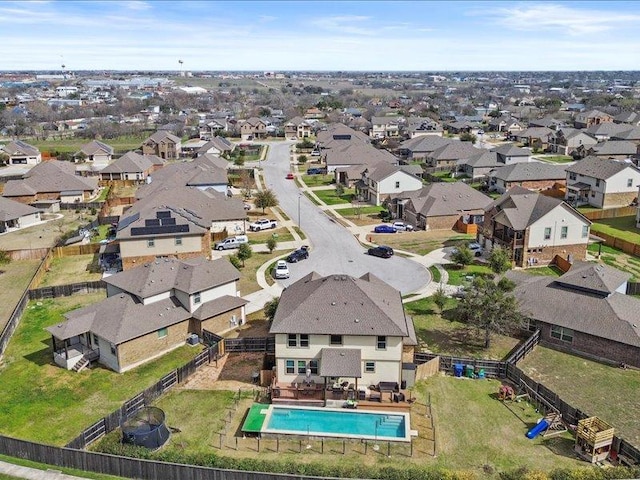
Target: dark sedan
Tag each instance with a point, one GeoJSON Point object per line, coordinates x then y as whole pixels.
{"type": "Point", "coordinates": [385, 229]}
{"type": "Point", "coordinates": [381, 251]}
{"type": "Point", "coordinates": [298, 255]}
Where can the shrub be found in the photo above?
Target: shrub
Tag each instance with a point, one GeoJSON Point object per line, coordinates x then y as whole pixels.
{"type": "Point", "coordinates": [235, 261]}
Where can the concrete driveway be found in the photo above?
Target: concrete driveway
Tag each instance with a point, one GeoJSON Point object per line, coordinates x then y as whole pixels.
{"type": "Point", "coordinates": [334, 249]}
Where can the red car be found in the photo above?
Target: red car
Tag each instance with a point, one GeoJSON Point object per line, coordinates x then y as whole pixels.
{"type": "Point", "coordinates": [290, 176]}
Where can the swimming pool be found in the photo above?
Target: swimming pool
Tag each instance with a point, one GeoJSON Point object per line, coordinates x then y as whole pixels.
{"type": "Point", "coordinates": [335, 422]}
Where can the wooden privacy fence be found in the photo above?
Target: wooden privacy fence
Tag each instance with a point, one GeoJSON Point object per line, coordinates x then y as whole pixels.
{"type": "Point", "coordinates": [72, 250]}
{"type": "Point", "coordinates": [112, 421]}
{"type": "Point", "coordinates": [610, 213]}
{"type": "Point", "coordinates": [492, 368]}
{"type": "Point", "coordinates": [250, 344]}
{"type": "Point", "coordinates": [81, 206]}
{"type": "Point", "coordinates": [66, 290]}
{"type": "Point", "coordinates": [28, 254]}
{"type": "Point", "coordinates": [524, 349]}
{"type": "Point", "coordinates": [627, 247]}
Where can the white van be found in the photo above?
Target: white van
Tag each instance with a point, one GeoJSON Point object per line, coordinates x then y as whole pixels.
{"type": "Point", "coordinates": [231, 242]}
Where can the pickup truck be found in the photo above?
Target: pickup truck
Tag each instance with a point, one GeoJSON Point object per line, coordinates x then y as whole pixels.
{"type": "Point", "coordinates": [231, 242]}
{"type": "Point", "coordinates": [262, 224]}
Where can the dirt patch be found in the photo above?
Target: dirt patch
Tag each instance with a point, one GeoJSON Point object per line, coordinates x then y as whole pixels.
{"type": "Point", "coordinates": [234, 371]}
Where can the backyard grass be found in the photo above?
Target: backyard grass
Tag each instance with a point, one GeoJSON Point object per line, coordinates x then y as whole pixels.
{"type": "Point", "coordinates": [45, 403]}
{"type": "Point", "coordinates": [445, 177]}
{"type": "Point", "coordinates": [555, 158]}
{"type": "Point", "coordinates": [44, 235]}
{"type": "Point", "coordinates": [421, 242]}
{"type": "Point", "coordinates": [617, 259]}
{"type": "Point", "coordinates": [72, 269]}
{"type": "Point", "coordinates": [317, 180]}
{"type": "Point", "coordinates": [608, 392]}
{"type": "Point", "coordinates": [440, 333]}
{"type": "Point", "coordinates": [621, 227]}
{"type": "Point", "coordinates": [120, 144]}
{"type": "Point", "coordinates": [548, 270]}
{"type": "Point", "coordinates": [14, 279]}
{"type": "Point", "coordinates": [458, 276]}
{"type": "Point", "coordinates": [330, 197]}
{"type": "Point", "coordinates": [42, 466]}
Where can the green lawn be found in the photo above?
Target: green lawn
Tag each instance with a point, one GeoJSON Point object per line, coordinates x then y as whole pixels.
{"type": "Point", "coordinates": [42, 466]}
{"type": "Point", "coordinates": [446, 177]}
{"type": "Point", "coordinates": [549, 271]}
{"type": "Point", "coordinates": [14, 280]}
{"type": "Point", "coordinates": [357, 211]}
{"type": "Point", "coordinates": [617, 259]}
{"type": "Point", "coordinates": [248, 283]}
{"type": "Point", "coordinates": [313, 199]}
{"type": "Point", "coordinates": [608, 392]}
{"type": "Point", "coordinates": [35, 392]}
{"type": "Point", "coordinates": [436, 276]}
{"type": "Point", "coordinates": [72, 145]}
{"type": "Point", "coordinates": [449, 337]}
{"type": "Point", "coordinates": [555, 158]}
{"type": "Point", "coordinates": [421, 242]}
{"type": "Point", "coordinates": [281, 234]}
{"type": "Point", "coordinates": [330, 197]}
{"type": "Point", "coordinates": [72, 269]}
{"type": "Point", "coordinates": [317, 180]}
{"type": "Point", "coordinates": [621, 227]}
{"type": "Point", "coordinates": [458, 276]}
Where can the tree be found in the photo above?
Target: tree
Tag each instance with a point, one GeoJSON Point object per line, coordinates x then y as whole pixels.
{"type": "Point", "coordinates": [272, 243]}
{"type": "Point", "coordinates": [462, 256]}
{"type": "Point", "coordinates": [302, 159]}
{"type": "Point", "coordinates": [244, 252]}
{"type": "Point", "coordinates": [339, 189]}
{"type": "Point", "coordinates": [440, 298]}
{"type": "Point", "coordinates": [270, 308]}
{"type": "Point", "coordinates": [499, 260]}
{"type": "Point", "coordinates": [5, 258]}
{"type": "Point", "coordinates": [235, 261]}
{"type": "Point", "coordinates": [265, 199]}
{"type": "Point", "coordinates": [468, 137]}
{"type": "Point", "coordinates": [490, 307]}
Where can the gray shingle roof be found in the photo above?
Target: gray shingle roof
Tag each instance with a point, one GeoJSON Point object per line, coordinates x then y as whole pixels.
{"type": "Point", "coordinates": [17, 147]}
{"type": "Point", "coordinates": [546, 300]}
{"type": "Point", "coordinates": [163, 135]}
{"type": "Point", "coordinates": [425, 143]}
{"type": "Point", "coordinates": [11, 210]}
{"type": "Point", "coordinates": [606, 128]}
{"type": "Point", "coordinates": [595, 278]}
{"type": "Point", "coordinates": [511, 150]}
{"type": "Point", "coordinates": [601, 168]}
{"type": "Point", "coordinates": [615, 147]}
{"type": "Point", "coordinates": [340, 362]}
{"type": "Point", "coordinates": [519, 207]}
{"type": "Point", "coordinates": [443, 198]}
{"type": "Point", "coordinates": [130, 162]}
{"type": "Point", "coordinates": [357, 153]}
{"type": "Point", "coordinates": [50, 177]}
{"type": "Point", "coordinates": [530, 171]}
{"type": "Point", "coordinates": [222, 304]}
{"type": "Point", "coordinates": [484, 158]}
{"type": "Point", "coordinates": [95, 146]}
{"type": "Point", "coordinates": [454, 151]}
{"type": "Point", "coordinates": [341, 305]}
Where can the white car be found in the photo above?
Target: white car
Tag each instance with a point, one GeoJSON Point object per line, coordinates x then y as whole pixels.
{"type": "Point", "coordinates": [476, 248]}
{"type": "Point", "coordinates": [402, 227]}
{"type": "Point", "coordinates": [282, 270]}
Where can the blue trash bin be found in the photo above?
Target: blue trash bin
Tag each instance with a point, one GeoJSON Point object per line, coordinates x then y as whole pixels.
{"type": "Point", "coordinates": [458, 370]}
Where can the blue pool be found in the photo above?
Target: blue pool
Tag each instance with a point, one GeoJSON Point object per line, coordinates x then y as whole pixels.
{"type": "Point", "coordinates": [337, 423]}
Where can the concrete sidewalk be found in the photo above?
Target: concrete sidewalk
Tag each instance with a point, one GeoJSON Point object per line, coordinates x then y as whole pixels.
{"type": "Point", "coordinates": [33, 473]}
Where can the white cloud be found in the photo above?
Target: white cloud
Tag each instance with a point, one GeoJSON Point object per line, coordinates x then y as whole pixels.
{"type": "Point", "coordinates": [344, 24]}
{"type": "Point", "coordinates": [570, 20]}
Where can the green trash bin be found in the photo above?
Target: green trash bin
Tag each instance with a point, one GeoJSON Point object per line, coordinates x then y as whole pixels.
{"type": "Point", "coordinates": [469, 371]}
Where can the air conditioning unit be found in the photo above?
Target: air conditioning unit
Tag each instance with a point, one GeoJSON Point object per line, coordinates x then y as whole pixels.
{"type": "Point", "coordinates": [193, 339]}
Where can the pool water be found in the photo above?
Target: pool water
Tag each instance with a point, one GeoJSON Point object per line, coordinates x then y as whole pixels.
{"type": "Point", "coordinates": [330, 422]}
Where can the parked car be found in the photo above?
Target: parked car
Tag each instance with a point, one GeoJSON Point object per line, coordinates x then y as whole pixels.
{"type": "Point", "coordinates": [402, 227]}
{"type": "Point", "coordinates": [290, 176]}
{"type": "Point", "coordinates": [385, 229]}
{"type": "Point", "coordinates": [315, 153]}
{"type": "Point", "coordinates": [247, 206]}
{"type": "Point", "coordinates": [381, 251]}
{"type": "Point", "coordinates": [476, 248]}
{"type": "Point", "coordinates": [316, 171]}
{"type": "Point", "coordinates": [298, 255]}
{"type": "Point", "coordinates": [231, 242]}
{"type": "Point", "coordinates": [282, 270]}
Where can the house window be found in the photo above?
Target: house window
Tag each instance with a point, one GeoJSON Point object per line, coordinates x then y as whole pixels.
{"type": "Point", "coordinates": [151, 243]}
{"type": "Point", "coordinates": [572, 176]}
{"type": "Point", "coordinates": [178, 240]}
{"type": "Point", "coordinates": [629, 182]}
{"type": "Point", "coordinates": [304, 340]}
{"type": "Point", "coordinates": [196, 298]}
{"type": "Point", "coordinates": [335, 340]}
{"type": "Point", "coordinates": [397, 184]}
{"type": "Point", "coordinates": [597, 182]}
{"type": "Point", "coordinates": [292, 340]}
{"type": "Point", "coordinates": [561, 333]}
{"type": "Point", "coordinates": [95, 339]}
{"type": "Point", "coordinates": [113, 349]}
{"type": "Point", "coordinates": [563, 232]}
{"type": "Point", "coordinates": [370, 367]}
{"type": "Point", "coordinates": [593, 194]}
{"type": "Point", "coordinates": [547, 233]}
{"type": "Point", "coordinates": [313, 366]}
{"type": "Point", "coordinates": [302, 367]}
{"type": "Point", "coordinates": [585, 231]}
{"type": "Point", "coordinates": [381, 343]}
{"type": "Point", "coordinates": [163, 332]}
{"type": "Point", "coordinates": [290, 366]}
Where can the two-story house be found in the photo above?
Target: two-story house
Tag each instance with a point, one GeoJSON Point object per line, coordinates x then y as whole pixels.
{"type": "Point", "coordinates": [534, 228]}
{"type": "Point", "coordinates": [149, 311]}
{"type": "Point", "coordinates": [385, 127]}
{"type": "Point", "coordinates": [338, 327]}
{"type": "Point", "coordinates": [297, 128]}
{"type": "Point", "coordinates": [535, 176]}
{"type": "Point", "coordinates": [566, 141]}
{"type": "Point", "coordinates": [21, 153]}
{"type": "Point", "coordinates": [590, 118]}
{"type": "Point", "coordinates": [602, 183]}
{"type": "Point", "coordinates": [164, 144]}
{"type": "Point", "coordinates": [384, 180]}
{"type": "Point", "coordinates": [252, 128]}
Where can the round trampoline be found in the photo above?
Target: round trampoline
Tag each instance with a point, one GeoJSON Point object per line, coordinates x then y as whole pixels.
{"type": "Point", "coordinates": [145, 428]}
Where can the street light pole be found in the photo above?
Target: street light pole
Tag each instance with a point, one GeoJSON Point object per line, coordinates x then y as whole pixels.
{"type": "Point", "coordinates": [299, 197]}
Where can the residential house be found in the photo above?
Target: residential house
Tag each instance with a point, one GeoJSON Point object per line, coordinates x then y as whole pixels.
{"type": "Point", "coordinates": [15, 215]}
{"type": "Point", "coordinates": [212, 127]}
{"type": "Point", "coordinates": [445, 157]}
{"type": "Point", "coordinates": [536, 138]}
{"type": "Point", "coordinates": [604, 131]}
{"type": "Point", "coordinates": [591, 118]}
{"type": "Point", "coordinates": [478, 165]}
{"type": "Point", "coordinates": [52, 180]}
{"type": "Point", "coordinates": [383, 180]}
{"type": "Point", "coordinates": [423, 126]}
{"type": "Point", "coordinates": [440, 206]}
{"type": "Point", "coordinates": [613, 149]}
{"type": "Point", "coordinates": [420, 147]}
{"type": "Point", "coordinates": [297, 128]}
{"type": "Point", "coordinates": [314, 113]}
{"type": "Point", "coordinates": [630, 118]}
{"type": "Point", "coordinates": [508, 154]}
{"type": "Point", "coordinates": [504, 124]}
{"type": "Point", "coordinates": [21, 153]}
{"type": "Point", "coordinates": [534, 228]}
{"type": "Point", "coordinates": [338, 134]}
{"type": "Point", "coordinates": [535, 176]}
{"type": "Point", "coordinates": [252, 128]}
{"type": "Point", "coordinates": [334, 328]}
{"type": "Point", "coordinates": [218, 146]}
{"type": "Point", "coordinates": [358, 155]}
{"type": "Point", "coordinates": [163, 144]}
{"type": "Point", "coordinates": [149, 311]}
{"type": "Point", "coordinates": [569, 141]}
{"type": "Point", "coordinates": [458, 127]}
{"type": "Point", "coordinates": [98, 153]}
{"type": "Point", "coordinates": [630, 135]}
{"type": "Point", "coordinates": [131, 166]}
{"type": "Point", "coordinates": [385, 127]}
{"type": "Point", "coordinates": [547, 122]}
{"type": "Point", "coordinates": [584, 311]}
{"type": "Point", "coordinates": [602, 183]}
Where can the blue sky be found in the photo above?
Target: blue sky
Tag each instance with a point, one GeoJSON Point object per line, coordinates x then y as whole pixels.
{"type": "Point", "coordinates": [315, 35]}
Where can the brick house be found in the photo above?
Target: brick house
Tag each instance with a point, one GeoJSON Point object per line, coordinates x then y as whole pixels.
{"type": "Point", "coordinates": [566, 141]}
{"type": "Point", "coordinates": [164, 144]}
{"type": "Point", "coordinates": [131, 166]}
{"type": "Point", "coordinates": [534, 228]}
{"type": "Point", "coordinates": [297, 128]}
{"type": "Point", "coordinates": [149, 311]}
{"type": "Point", "coordinates": [252, 128]}
{"type": "Point", "coordinates": [535, 176]}
{"type": "Point", "coordinates": [590, 118]}
{"type": "Point", "coordinates": [584, 311]}
{"type": "Point", "coordinates": [602, 183]}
